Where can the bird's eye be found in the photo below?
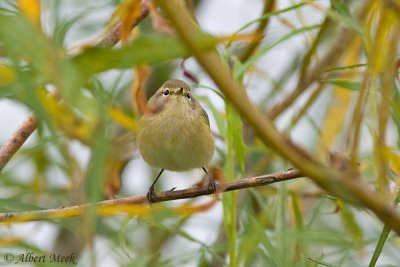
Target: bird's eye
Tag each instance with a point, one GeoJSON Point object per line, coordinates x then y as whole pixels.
{"type": "Point", "coordinates": [188, 96]}
{"type": "Point", "coordinates": [166, 92]}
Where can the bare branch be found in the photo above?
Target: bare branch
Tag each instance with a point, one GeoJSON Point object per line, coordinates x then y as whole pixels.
{"type": "Point", "coordinates": [120, 205]}
{"type": "Point", "coordinates": [114, 35]}
{"type": "Point", "coordinates": [259, 32]}
{"type": "Point", "coordinates": [333, 55]}
{"type": "Point", "coordinates": [17, 139]}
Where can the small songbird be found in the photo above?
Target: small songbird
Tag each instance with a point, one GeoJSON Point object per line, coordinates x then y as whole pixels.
{"type": "Point", "coordinates": [176, 134]}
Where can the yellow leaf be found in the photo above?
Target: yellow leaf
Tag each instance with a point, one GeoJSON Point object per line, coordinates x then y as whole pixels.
{"type": "Point", "coordinates": [66, 120]}
{"type": "Point", "coordinates": [7, 242]}
{"type": "Point", "coordinates": [7, 75]}
{"type": "Point", "coordinates": [103, 209]}
{"type": "Point", "coordinates": [245, 37]}
{"type": "Point", "coordinates": [127, 12]}
{"type": "Point", "coordinates": [122, 119]}
{"type": "Point", "coordinates": [32, 10]}
{"type": "Point", "coordinates": [380, 53]}
{"type": "Point", "coordinates": [337, 111]}
{"type": "Point", "coordinates": [188, 209]}
{"type": "Point", "coordinates": [139, 102]}
{"type": "Point", "coordinates": [392, 158]}
{"type": "Point", "coordinates": [137, 210]}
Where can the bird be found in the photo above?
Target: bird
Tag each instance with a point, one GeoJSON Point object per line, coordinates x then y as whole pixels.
{"type": "Point", "coordinates": [175, 134]}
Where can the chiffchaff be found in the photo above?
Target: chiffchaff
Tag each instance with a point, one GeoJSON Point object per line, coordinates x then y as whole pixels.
{"type": "Point", "coordinates": [176, 134]}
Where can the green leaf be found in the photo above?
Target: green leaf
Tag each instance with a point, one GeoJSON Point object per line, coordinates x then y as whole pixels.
{"type": "Point", "coordinates": [95, 173]}
{"type": "Point", "coordinates": [351, 85]}
{"type": "Point", "coordinates": [395, 110]}
{"type": "Point", "coordinates": [235, 152]}
{"type": "Point", "coordinates": [238, 75]}
{"type": "Point", "coordinates": [345, 16]}
{"type": "Point", "coordinates": [254, 236]}
{"type": "Point", "coordinates": [297, 211]}
{"type": "Point", "coordinates": [263, 50]}
{"type": "Point", "coordinates": [352, 227]}
{"type": "Point", "coordinates": [22, 41]}
{"type": "Point", "coordinates": [383, 236]}
{"type": "Point", "coordinates": [37, 59]}
{"type": "Point", "coordinates": [347, 67]}
{"type": "Point", "coordinates": [144, 50]}
{"type": "Point", "coordinates": [229, 207]}
{"type": "Point", "coordinates": [218, 116]}
{"type": "Point", "coordinates": [271, 14]}
{"type": "Point", "coordinates": [235, 136]}
{"type": "Point", "coordinates": [322, 263]}
{"type": "Point", "coordinates": [14, 204]}
{"type": "Point", "coordinates": [229, 199]}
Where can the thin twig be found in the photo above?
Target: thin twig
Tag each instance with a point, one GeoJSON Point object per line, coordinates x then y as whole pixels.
{"type": "Point", "coordinates": [192, 192]}
{"type": "Point", "coordinates": [259, 32]}
{"type": "Point", "coordinates": [332, 56]}
{"type": "Point", "coordinates": [113, 37]}
{"type": "Point", "coordinates": [17, 139]}
{"type": "Point", "coordinates": [328, 60]}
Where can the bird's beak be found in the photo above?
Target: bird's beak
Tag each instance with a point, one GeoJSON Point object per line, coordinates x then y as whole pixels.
{"type": "Point", "coordinates": [180, 91]}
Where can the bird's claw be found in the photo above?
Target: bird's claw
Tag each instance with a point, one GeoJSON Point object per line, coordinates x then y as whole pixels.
{"type": "Point", "coordinates": [151, 195]}
{"type": "Point", "coordinates": [212, 187]}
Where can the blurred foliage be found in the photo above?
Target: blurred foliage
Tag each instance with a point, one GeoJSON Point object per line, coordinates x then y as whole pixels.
{"type": "Point", "coordinates": [337, 91]}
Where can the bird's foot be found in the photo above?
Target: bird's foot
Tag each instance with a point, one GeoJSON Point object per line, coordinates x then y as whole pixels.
{"type": "Point", "coordinates": [151, 195]}
{"type": "Point", "coordinates": [212, 187]}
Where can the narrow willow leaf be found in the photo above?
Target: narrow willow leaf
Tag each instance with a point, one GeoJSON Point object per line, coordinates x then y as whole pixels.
{"type": "Point", "coordinates": [7, 75]}
{"type": "Point", "coordinates": [32, 10]}
{"type": "Point", "coordinates": [73, 125]}
{"type": "Point", "coordinates": [322, 263]}
{"type": "Point", "coordinates": [229, 200]}
{"type": "Point", "coordinates": [383, 236]}
{"type": "Point", "coordinates": [338, 109]}
{"type": "Point", "coordinates": [352, 226]}
{"type": "Point", "coordinates": [144, 50]}
{"type": "Point", "coordinates": [95, 172]}
{"type": "Point", "coordinates": [254, 235]}
{"type": "Point", "coordinates": [347, 84]}
{"type": "Point", "coordinates": [263, 50]}
{"type": "Point", "coordinates": [347, 67]}
{"type": "Point", "coordinates": [235, 133]}
{"type": "Point", "coordinates": [122, 118]}
{"type": "Point", "coordinates": [37, 58]}
{"type": "Point", "coordinates": [218, 116]}
{"type": "Point", "coordinates": [229, 207]}
{"type": "Point", "coordinates": [271, 14]}
{"type": "Point", "coordinates": [297, 211]}
{"type": "Point", "coordinates": [345, 15]}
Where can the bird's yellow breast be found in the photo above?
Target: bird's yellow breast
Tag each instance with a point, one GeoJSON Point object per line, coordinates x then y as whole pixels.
{"type": "Point", "coordinates": [177, 138]}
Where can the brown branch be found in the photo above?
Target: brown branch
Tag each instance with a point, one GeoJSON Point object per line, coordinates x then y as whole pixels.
{"type": "Point", "coordinates": [259, 32]}
{"type": "Point", "coordinates": [330, 58]}
{"type": "Point", "coordinates": [29, 125]}
{"type": "Point", "coordinates": [333, 55]}
{"type": "Point", "coordinates": [128, 204]}
{"type": "Point", "coordinates": [113, 37]}
{"type": "Point", "coordinates": [17, 139]}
